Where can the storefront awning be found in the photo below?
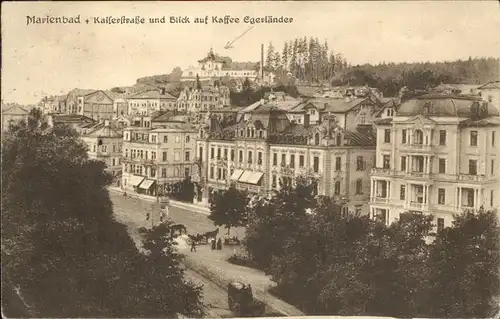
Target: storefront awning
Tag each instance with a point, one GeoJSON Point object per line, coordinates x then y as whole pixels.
{"type": "Point", "coordinates": [236, 174]}
{"type": "Point", "coordinates": [245, 176]}
{"type": "Point", "coordinates": [146, 184]}
{"type": "Point", "coordinates": [136, 180]}
{"type": "Point", "coordinates": [254, 179]}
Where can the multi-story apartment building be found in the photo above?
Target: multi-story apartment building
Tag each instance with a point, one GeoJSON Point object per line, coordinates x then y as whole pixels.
{"type": "Point", "coordinates": [105, 144]}
{"type": "Point", "coordinates": [154, 158]}
{"type": "Point", "coordinates": [145, 103]}
{"type": "Point", "coordinates": [203, 99]}
{"type": "Point", "coordinates": [265, 147]}
{"type": "Point", "coordinates": [438, 155]}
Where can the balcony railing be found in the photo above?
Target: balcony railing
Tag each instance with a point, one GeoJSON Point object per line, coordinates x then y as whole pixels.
{"type": "Point", "coordinates": [418, 174]}
{"type": "Point", "coordinates": [380, 200]}
{"type": "Point", "coordinates": [381, 171]}
{"type": "Point", "coordinates": [417, 206]}
{"type": "Point", "coordinates": [470, 178]}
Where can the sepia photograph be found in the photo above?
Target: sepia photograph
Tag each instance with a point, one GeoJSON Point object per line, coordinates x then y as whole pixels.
{"type": "Point", "coordinates": [230, 159]}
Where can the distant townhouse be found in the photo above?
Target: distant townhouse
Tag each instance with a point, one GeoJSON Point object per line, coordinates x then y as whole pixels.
{"type": "Point", "coordinates": [13, 114]}
{"type": "Point", "coordinates": [265, 148]}
{"type": "Point", "coordinates": [105, 144]}
{"type": "Point", "coordinates": [490, 92]}
{"type": "Point", "coordinates": [80, 123]}
{"type": "Point", "coordinates": [205, 98]}
{"type": "Point", "coordinates": [438, 155]}
{"type": "Point", "coordinates": [75, 100]}
{"type": "Point", "coordinates": [145, 103]}
{"type": "Point", "coordinates": [154, 158]}
{"type": "Point", "coordinates": [53, 104]}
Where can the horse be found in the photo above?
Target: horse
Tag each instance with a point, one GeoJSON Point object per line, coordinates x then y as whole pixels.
{"type": "Point", "coordinates": [197, 239]}
{"type": "Point", "coordinates": [212, 234]}
{"type": "Point", "coordinates": [179, 227]}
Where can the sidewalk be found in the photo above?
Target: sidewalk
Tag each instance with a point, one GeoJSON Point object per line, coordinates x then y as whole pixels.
{"type": "Point", "coordinates": [192, 207]}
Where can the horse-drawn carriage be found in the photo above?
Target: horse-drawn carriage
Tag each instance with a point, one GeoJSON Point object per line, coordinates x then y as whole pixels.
{"type": "Point", "coordinates": [203, 239]}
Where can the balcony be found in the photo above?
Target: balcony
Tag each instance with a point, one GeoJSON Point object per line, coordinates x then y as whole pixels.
{"type": "Point", "coordinates": [418, 174]}
{"type": "Point", "coordinates": [417, 206]}
{"type": "Point", "coordinates": [380, 200]}
{"type": "Point", "coordinates": [381, 171]}
{"type": "Point", "coordinates": [471, 178]}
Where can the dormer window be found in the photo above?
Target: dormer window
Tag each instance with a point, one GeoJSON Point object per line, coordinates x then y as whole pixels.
{"type": "Point", "coordinates": [316, 139]}
{"type": "Point", "coordinates": [339, 139]}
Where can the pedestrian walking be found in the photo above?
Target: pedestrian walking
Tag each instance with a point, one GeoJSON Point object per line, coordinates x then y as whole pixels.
{"type": "Point", "coordinates": [219, 244]}
{"type": "Point", "coordinates": [213, 243]}
{"type": "Point", "coordinates": [193, 245]}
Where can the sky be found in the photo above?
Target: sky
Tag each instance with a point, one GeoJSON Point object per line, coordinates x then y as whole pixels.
{"type": "Point", "coordinates": [46, 59]}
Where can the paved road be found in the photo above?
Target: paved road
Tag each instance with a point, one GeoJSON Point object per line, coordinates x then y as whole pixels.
{"type": "Point", "coordinates": [131, 212]}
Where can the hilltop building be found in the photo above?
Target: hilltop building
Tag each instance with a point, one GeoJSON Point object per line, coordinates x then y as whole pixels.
{"type": "Point", "coordinates": [145, 103]}
{"type": "Point", "coordinates": [193, 99]}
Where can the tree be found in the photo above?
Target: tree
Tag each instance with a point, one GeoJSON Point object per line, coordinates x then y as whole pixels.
{"type": "Point", "coordinates": [285, 57]}
{"type": "Point", "coordinates": [228, 208]}
{"type": "Point", "coordinates": [466, 263]}
{"type": "Point", "coordinates": [270, 57]}
{"type": "Point", "coordinates": [198, 83]}
{"type": "Point", "coordinates": [61, 244]}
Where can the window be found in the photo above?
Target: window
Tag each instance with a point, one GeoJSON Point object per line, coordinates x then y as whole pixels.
{"type": "Point", "coordinates": [442, 166]}
{"type": "Point", "coordinates": [232, 155]}
{"type": "Point", "coordinates": [164, 156]}
{"type": "Point", "coordinates": [283, 159]}
{"type": "Point", "coordinates": [224, 173]}
{"type": "Point", "coordinates": [387, 136]}
{"type": "Point", "coordinates": [153, 138]}
{"type": "Point", "coordinates": [153, 155]}
{"type": "Point", "coordinates": [212, 153]}
{"type": "Point", "coordinates": [418, 137]}
{"type": "Point", "coordinates": [403, 137]}
{"type": "Point", "coordinates": [94, 148]}
{"type": "Point", "coordinates": [492, 167]}
{"type": "Point", "coordinates": [442, 137]}
{"type": "Point", "coordinates": [188, 138]}
{"type": "Point", "coordinates": [338, 163]}
{"type": "Point", "coordinates": [403, 163]}
{"type": "Point", "coordinates": [292, 160]}
{"type": "Point", "coordinates": [441, 196]}
{"type": "Point", "coordinates": [114, 148]}
{"type": "Point", "coordinates": [250, 157]}
{"type": "Point", "coordinates": [241, 157]}
{"type": "Point", "coordinates": [359, 186]}
{"type": "Point", "coordinates": [273, 183]}
{"type": "Point", "coordinates": [275, 159]}
{"type": "Point", "coordinates": [339, 139]}
{"type": "Point", "coordinates": [473, 138]}
{"type": "Point", "coordinates": [316, 164]}
{"type": "Point", "coordinates": [337, 188]}
{"type": "Point", "coordinates": [493, 138]}
{"type": "Point", "coordinates": [259, 158]}
{"type": "Point", "coordinates": [186, 158]}
{"type": "Point", "coordinates": [491, 198]}
{"type": "Point", "coordinates": [386, 161]}
{"type": "Point", "coordinates": [177, 139]}
{"type": "Point", "coordinates": [440, 225]}
{"type": "Point", "coordinates": [472, 167]}
{"type": "Point", "coordinates": [225, 153]}
{"type": "Point", "coordinates": [153, 172]}
{"type": "Point", "coordinates": [359, 163]}
{"type": "Point", "coordinates": [211, 172]}
{"type": "Point", "coordinates": [163, 172]}
{"type": "Point", "coordinates": [470, 198]}
{"type": "Point", "coordinates": [218, 153]}
{"type": "Point", "coordinates": [114, 162]}
{"type": "Point", "coordinates": [301, 160]}
{"type": "Point", "coordinates": [177, 156]}
{"type": "Point", "coordinates": [316, 139]}
{"type": "Point", "coordinates": [200, 151]}
{"type": "Point", "coordinates": [165, 139]}
{"type": "Point", "coordinates": [219, 173]}
{"type": "Point", "coordinates": [402, 192]}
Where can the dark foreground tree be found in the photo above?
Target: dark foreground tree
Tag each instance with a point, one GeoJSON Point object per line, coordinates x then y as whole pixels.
{"type": "Point", "coordinates": [228, 208]}
{"type": "Point", "coordinates": [63, 253]}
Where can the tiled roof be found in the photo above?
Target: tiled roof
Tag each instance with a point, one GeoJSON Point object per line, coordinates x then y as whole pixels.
{"type": "Point", "coordinates": [299, 129]}
{"type": "Point", "coordinates": [104, 131]}
{"type": "Point", "coordinates": [334, 105]}
{"type": "Point", "coordinates": [82, 92]}
{"type": "Point", "coordinates": [175, 127]}
{"type": "Point", "coordinates": [442, 105]}
{"type": "Point", "coordinates": [162, 116]}
{"type": "Point", "coordinates": [366, 138]}
{"type": "Point", "coordinates": [488, 121]}
{"type": "Point", "coordinates": [71, 118]}
{"type": "Point", "coordinates": [490, 85]}
{"type": "Point", "coordinates": [151, 95]}
{"type": "Point", "coordinates": [15, 110]}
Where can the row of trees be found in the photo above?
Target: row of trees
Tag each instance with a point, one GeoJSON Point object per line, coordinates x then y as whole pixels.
{"type": "Point", "coordinates": [389, 78]}
{"type": "Point", "coordinates": [328, 263]}
{"type": "Point", "coordinates": [250, 95]}
{"type": "Point", "coordinates": [63, 253]}
{"type": "Point", "coordinates": [306, 59]}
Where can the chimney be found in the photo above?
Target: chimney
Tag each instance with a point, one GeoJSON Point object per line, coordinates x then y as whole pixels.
{"type": "Point", "coordinates": [262, 62]}
{"type": "Point", "coordinates": [306, 120]}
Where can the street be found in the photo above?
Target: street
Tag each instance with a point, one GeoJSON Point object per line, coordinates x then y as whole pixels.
{"type": "Point", "coordinates": [131, 212]}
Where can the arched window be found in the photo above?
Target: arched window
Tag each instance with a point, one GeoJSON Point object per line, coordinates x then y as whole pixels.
{"type": "Point", "coordinates": [316, 139]}
{"type": "Point", "coordinates": [339, 139]}
{"type": "Point", "coordinates": [418, 137]}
